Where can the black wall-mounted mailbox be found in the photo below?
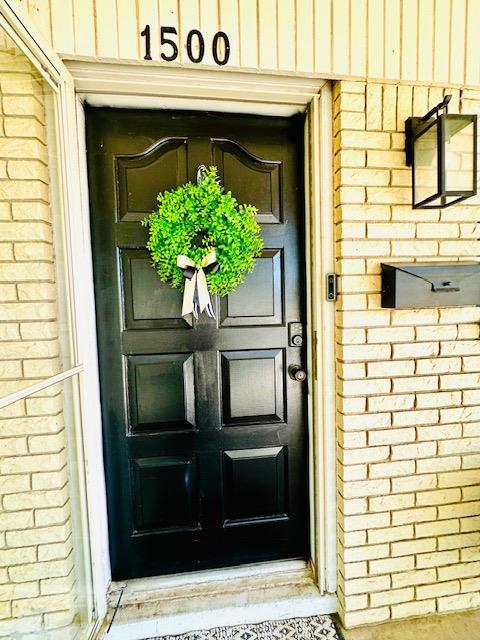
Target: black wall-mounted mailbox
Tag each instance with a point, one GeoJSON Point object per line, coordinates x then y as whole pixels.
{"type": "Point", "coordinates": [416, 285]}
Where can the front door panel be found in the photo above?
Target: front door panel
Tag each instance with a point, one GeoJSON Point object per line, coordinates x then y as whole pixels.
{"type": "Point", "coordinates": [205, 432]}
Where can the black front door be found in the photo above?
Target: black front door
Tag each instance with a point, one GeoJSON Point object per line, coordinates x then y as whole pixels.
{"type": "Point", "coordinates": [204, 429]}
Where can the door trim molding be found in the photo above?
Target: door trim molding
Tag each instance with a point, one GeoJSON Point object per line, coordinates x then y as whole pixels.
{"type": "Point", "coordinates": [121, 84]}
{"type": "Point", "coordinates": [320, 337]}
{"type": "Point", "coordinates": [319, 255]}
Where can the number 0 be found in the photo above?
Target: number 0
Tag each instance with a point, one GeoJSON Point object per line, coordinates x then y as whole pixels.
{"type": "Point", "coordinates": [201, 45]}
{"type": "Point", "coordinates": [221, 35]}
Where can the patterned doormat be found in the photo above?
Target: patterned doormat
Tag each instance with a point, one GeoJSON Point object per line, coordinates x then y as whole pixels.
{"type": "Point", "coordinates": [314, 628]}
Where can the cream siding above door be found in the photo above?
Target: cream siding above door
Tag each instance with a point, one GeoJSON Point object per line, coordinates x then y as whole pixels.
{"type": "Point", "coordinates": [397, 40]}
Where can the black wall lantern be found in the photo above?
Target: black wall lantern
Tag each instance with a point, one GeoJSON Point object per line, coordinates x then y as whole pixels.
{"type": "Point", "coordinates": [441, 148]}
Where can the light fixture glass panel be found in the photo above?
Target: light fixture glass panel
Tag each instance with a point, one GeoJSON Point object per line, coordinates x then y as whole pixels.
{"type": "Point", "coordinates": [459, 149]}
{"type": "Point", "coordinates": [426, 164]}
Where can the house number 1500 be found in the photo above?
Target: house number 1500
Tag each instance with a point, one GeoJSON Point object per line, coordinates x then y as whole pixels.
{"type": "Point", "coordinates": [194, 37]}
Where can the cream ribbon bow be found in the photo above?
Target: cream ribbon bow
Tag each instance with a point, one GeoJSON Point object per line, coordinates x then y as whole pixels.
{"type": "Point", "coordinates": [196, 297]}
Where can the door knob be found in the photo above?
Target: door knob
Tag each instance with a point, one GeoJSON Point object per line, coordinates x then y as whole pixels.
{"type": "Point", "coordinates": [297, 373]}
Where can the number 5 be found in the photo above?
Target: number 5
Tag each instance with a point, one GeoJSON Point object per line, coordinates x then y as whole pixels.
{"type": "Point", "coordinates": [164, 40]}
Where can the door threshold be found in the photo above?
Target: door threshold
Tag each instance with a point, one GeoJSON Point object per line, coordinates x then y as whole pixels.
{"type": "Point", "coordinates": [171, 605]}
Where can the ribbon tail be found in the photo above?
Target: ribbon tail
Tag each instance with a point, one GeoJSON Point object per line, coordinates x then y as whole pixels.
{"type": "Point", "coordinates": [204, 301]}
{"type": "Point", "coordinates": [210, 311]}
{"type": "Point", "coordinates": [188, 305]}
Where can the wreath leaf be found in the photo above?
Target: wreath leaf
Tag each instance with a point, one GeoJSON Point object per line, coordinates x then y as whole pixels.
{"type": "Point", "coordinates": [205, 210]}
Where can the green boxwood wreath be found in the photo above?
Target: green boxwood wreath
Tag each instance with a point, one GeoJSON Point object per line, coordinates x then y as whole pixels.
{"type": "Point", "coordinates": [193, 220]}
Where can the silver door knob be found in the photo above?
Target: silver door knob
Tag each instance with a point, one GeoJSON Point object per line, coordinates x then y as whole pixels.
{"type": "Point", "coordinates": [297, 373]}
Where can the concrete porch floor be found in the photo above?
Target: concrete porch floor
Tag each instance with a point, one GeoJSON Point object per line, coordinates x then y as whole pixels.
{"type": "Point", "coordinates": [450, 626]}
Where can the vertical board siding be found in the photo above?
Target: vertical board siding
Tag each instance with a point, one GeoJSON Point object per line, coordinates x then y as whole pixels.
{"type": "Point", "coordinates": [425, 40]}
{"type": "Point", "coordinates": [168, 17]}
{"type": "Point", "coordinates": [472, 70]}
{"type": "Point", "coordinates": [127, 22]}
{"type": "Point", "coordinates": [286, 35]}
{"type": "Point", "coordinates": [248, 33]}
{"type": "Point", "coordinates": [409, 40]}
{"type": "Point", "coordinates": [148, 14]}
{"type": "Point", "coordinates": [341, 37]}
{"type": "Point", "coordinates": [40, 11]}
{"type": "Point", "coordinates": [323, 36]}
{"type": "Point", "coordinates": [375, 38]}
{"type": "Point", "coordinates": [107, 43]}
{"type": "Point", "coordinates": [84, 26]}
{"type": "Point", "coordinates": [409, 35]}
{"type": "Point", "coordinates": [213, 17]}
{"type": "Point", "coordinates": [63, 33]}
{"type": "Point", "coordinates": [189, 19]}
{"type": "Point", "coordinates": [305, 36]}
{"type": "Point", "coordinates": [442, 41]}
{"type": "Point", "coordinates": [228, 22]}
{"type": "Point", "coordinates": [358, 16]}
{"type": "Point", "coordinates": [267, 25]}
{"type": "Point", "coordinates": [457, 41]}
{"type": "Point", "coordinates": [392, 38]}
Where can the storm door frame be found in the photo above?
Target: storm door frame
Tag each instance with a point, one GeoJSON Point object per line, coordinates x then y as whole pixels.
{"type": "Point", "coordinates": [156, 86]}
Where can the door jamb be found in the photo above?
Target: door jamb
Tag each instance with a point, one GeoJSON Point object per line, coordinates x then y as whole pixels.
{"type": "Point", "coordinates": [320, 327]}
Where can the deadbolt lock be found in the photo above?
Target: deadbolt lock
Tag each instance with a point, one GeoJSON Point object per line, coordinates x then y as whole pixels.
{"type": "Point", "coordinates": [295, 334]}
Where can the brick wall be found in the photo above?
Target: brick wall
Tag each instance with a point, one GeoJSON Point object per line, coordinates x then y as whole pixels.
{"type": "Point", "coordinates": [408, 382]}
{"type": "Point", "coordinates": [36, 564]}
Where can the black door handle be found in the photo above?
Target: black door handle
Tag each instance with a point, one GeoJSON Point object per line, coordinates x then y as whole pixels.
{"type": "Point", "coordinates": [297, 373]}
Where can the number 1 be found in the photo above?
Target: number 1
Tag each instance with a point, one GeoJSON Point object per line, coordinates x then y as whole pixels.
{"type": "Point", "coordinates": [148, 49]}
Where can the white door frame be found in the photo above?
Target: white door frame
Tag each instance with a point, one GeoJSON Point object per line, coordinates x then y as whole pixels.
{"type": "Point", "coordinates": [132, 86]}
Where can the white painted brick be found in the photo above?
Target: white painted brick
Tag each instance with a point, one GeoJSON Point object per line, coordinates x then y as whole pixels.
{"type": "Point", "coordinates": [399, 368]}
{"type": "Point", "coordinates": [438, 365]}
{"type": "Point", "coordinates": [416, 450]}
{"type": "Point", "coordinates": [463, 601]}
{"type": "Point", "coordinates": [413, 547]}
{"type": "Point", "coordinates": [409, 516]}
{"type": "Point", "coordinates": [438, 528]}
{"type": "Point", "coordinates": [458, 479]}
{"type": "Point", "coordinates": [418, 383]}
{"type": "Point", "coordinates": [433, 465]}
{"type": "Point", "coordinates": [366, 488]}
{"type": "Point", "coordinates": [367, 585]}
{"type": "Point", "coordinates": [368, 616]}
{"type": "Point", "coordinates": [459, 541]}
{"type": "Point", "coordinates": [407, 609]}
{"type": "Point", "coordinates": [368, 454]}
{"type": "Point", "coordinates": [410, 418]}
{"type": "Point", "coordinates": [391, 502]}
{"type": "Point", "coordinates": [414, 317]}
{"type": "Point", "coordinates": [366, 521]}
{"type": "Point", "coordinates": [440, 432]}
{"type": "Point", "coordinates": [461, 510]}
{"type": "Point", "coordinates": [415, 350]}
{"type": "Point", "coordinates": [414, 483]}
{"type": "Point", "coordinates": [412, 578]}
{"type": "Point", "coordinates": [391, 436]}
{"type": "Point", "coordinates": [390, 534]}
{"type": "Point", "coordinates": [441, 496]}
{"type": "Point", "coordinates": [391, 403]}
{"type": "Point", "coordinates": [392, 596]}
{"type": "Point", "coordinates": [437, 559]}
{"type": "Point", "coordinates": [391, 565]}
{"type": "Point", "coordinates": [467, 570]}
{"type": "Point", "coordinates": [464, 445]}
{"type": "Point", "coordinates": [366, 421]}
{"type": "Point", "coordinates": [392, 469]}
